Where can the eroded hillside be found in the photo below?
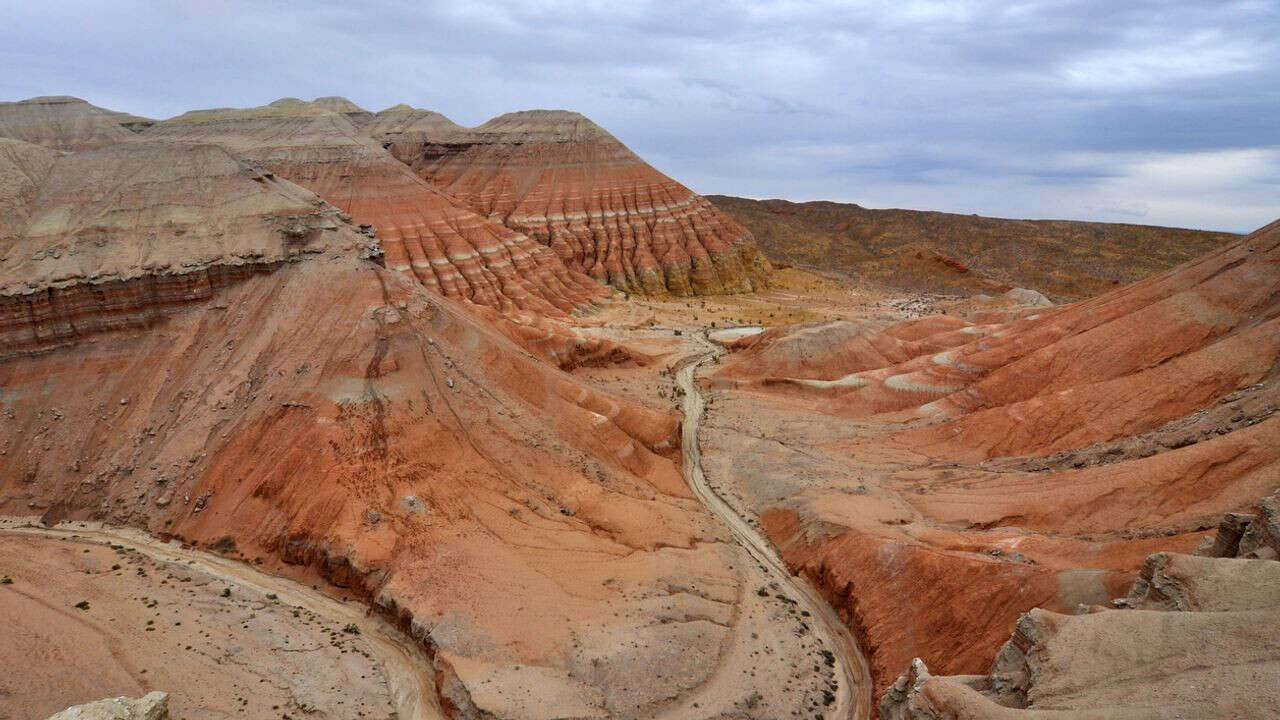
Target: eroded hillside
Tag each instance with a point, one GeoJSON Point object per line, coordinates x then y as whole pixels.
{"type": "Point", "coordinates": [936, 252]}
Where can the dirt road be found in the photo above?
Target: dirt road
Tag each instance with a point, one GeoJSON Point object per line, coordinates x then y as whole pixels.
{"type": "Point", "coordinates": [853, 699]}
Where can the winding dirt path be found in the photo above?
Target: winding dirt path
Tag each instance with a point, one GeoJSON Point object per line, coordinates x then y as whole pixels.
{"type": "Point", "coordinates": [853, 698]}
{"type": "Point", "coordinates": [405, 665]}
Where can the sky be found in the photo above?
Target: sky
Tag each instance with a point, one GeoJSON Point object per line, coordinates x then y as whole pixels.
{"type": "Point", "coordinates": [1161, 112]}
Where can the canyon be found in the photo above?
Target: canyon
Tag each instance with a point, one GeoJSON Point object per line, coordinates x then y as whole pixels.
{"type": "Point", "coordinates": [560, 438]}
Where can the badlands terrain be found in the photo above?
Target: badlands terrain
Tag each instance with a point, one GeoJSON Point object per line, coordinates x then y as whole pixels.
{"type": "Point", "coordinates": [311, 411]}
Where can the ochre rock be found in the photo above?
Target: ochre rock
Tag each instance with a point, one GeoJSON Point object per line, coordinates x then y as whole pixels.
{"type": "Point", "coordinates": [559, 178]}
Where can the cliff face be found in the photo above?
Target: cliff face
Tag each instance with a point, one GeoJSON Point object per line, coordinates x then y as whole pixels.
{"type": "Point", "coordinates": [194, 345]}
{"type": "Point", "coordinates": [335, 416]}
{"type": "Point", "coordinates": [562, 180]}
{"type": "Point", "coordinates": [969, 470]}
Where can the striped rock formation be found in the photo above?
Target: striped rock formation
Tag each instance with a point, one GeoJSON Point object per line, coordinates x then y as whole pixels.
{"type": "Point", "coordinates": [120, 236]}
{"type": "Point", "coordinates": [195, 342]}
{"type": "Point", "coordinates": [448, 248]}
{"type": "Point", "coordinates": [959, 472]}
{"type": "Point", "coordinates": [559, 178]}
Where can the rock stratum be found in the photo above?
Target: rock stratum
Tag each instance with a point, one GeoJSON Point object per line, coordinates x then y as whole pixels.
{"type": "Point", "coordinates": [257, 333]}
{"type": "Point", "coordinates": [943, 475]}
{"type": "Point", "coordinates": [559, 178]}
{"type": "Point", "coordinates": [935, 252]}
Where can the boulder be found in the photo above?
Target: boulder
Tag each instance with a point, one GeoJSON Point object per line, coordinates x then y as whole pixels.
{"type": "Point", "coordinates": [152, 706]}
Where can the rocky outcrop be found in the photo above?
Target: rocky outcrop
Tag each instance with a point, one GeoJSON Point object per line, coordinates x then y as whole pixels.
{"type": "Point", "coordinates": [1247, 535]}
{"type": "Point", "coordinates": [1196, 637]}
{"type": "Point", "coordinates": [560, 179]}
{"type": "Point", "coordinates": [152, 706]}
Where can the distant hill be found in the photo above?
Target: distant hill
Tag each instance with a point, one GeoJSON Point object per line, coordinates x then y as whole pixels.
{"type": "Point", "coordinates": [964, 254]}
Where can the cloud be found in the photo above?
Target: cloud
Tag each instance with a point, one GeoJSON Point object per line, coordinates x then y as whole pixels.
{"type": "Point", "coordinates": [1075, 108]}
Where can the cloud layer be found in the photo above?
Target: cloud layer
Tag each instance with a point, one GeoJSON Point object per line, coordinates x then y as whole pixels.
{"type": "Point", "coordinates": [1160, 112]}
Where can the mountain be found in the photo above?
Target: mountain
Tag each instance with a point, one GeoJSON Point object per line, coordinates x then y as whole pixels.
{"type": "Point", "coordinates": [564, 181]}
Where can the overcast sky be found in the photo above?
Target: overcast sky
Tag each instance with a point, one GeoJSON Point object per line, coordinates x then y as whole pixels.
{"type": "Point", "coordinates": [1162, 111]}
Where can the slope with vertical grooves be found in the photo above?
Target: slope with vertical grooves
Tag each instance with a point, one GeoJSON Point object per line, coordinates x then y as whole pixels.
{"type": "Point", "coordinates": [562, 180]}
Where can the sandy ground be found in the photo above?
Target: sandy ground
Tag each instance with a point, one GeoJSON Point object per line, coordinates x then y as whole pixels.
{"type": "Point", "coordinates": [97, 614]}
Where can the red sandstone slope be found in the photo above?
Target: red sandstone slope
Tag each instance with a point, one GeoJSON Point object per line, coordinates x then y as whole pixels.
{"type": "Point", "coordinates": [562, 180]}
{"type": "Point", "coordinates": [968, 470]}
{"type": "Point", "coordinates": [445, 246]}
